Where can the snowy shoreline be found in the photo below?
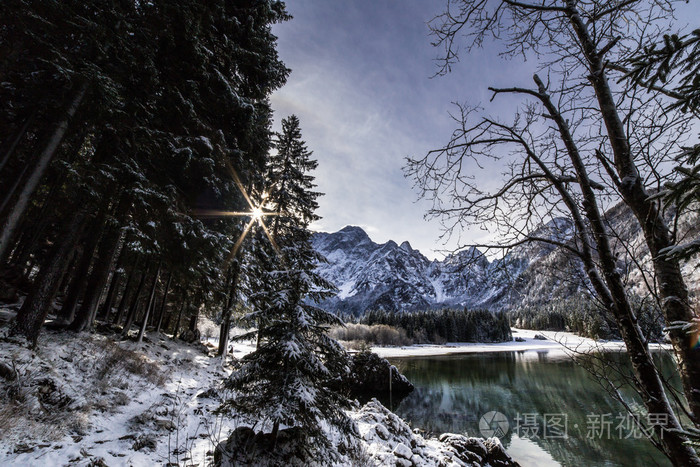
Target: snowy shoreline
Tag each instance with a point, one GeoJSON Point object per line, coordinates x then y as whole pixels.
{"type": "Point", "coordinates": [557, 341]}
{"type": "Point", "coordinates": [88, 399]}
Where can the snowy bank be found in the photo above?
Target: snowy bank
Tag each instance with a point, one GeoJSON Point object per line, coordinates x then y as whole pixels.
{"type": "Point", "coordinates": [91, 400]}
{"type": "Point", "coordinates": [384, 440]}
{"type": "Point", "coordinates": [86, 399]}
{"type": "Point", "coordinates": [390, 441]}
{"type": "Point", "coordinates": [564, 342]}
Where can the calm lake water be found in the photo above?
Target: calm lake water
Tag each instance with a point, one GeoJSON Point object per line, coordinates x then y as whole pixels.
{"type": "Point", "coordinates": [557, 414]}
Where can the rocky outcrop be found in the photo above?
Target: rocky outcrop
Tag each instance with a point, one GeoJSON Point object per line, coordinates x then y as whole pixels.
{"type": "Point", "coordinates": [7, 371]}
{"type": "Point", "coordinates": [373, 376]}
{"type": "Point", "coordinates": [247, 447]}
{"type": "Point", "coordinates": [190, 336]}
{"type": "Point", "coordinates": [391, 442]}
{"type": "Point", "coordinates": [382, 439]}
{"type": "Point", "coordinates": [478, 451]}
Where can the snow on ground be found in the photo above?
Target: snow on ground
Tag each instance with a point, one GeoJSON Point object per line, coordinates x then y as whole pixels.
{"type": "Point", "coordinates": [83, 398]}
{"type": "Point", "coordinates": [90, 400]}
{"type": "Point", "coordinates": [389, 441]}
{"type": "Point", "coordinates": [564, 342]}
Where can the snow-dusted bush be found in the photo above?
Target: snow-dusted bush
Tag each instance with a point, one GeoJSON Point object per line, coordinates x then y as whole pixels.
{"type": "Point", "coordinates": [378, 334]}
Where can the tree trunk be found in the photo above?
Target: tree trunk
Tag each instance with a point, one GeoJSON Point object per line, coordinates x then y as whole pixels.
{"type": "Point", "coordinates": [131, 315]}
{"type": "Point", "coordinates": [85, 316]}
{"type": "Point", "coordinates": [126, 294]}
{"type": "Point", "coordinates": [39, 302]}
{"type": "Point", "coordinates": [107, 254]}
{"type": "Point", "coordinates": [275, 430]}
{"type": "Point", "coordinates": [106, 308]}
{"type": "Point", "coordinates": [67, 270]}
{"type": "Point", "coordinates": [185, 304]}
{"type": "Point", "coordinates": [162, 304]}
{"type": "Point", "coordinates": [672, 288]}
{"type": "Point", "coordinates": [78, 283]}
{"type": "Point", "coordinates": [614, 296]}
{"type": "Point", "coordinates": [75, 286]}
{"type": "Point", "coordinates": [15, 142]}
{"type": "Point", "coordinates": [225, 327]}
{"type": "Point", "coordinates": [11, 192]}
{"type": "Point", "coordinates": [27, 243]}
{"type": "Point", "coordinates": [645, 372]}
{"type": "Point", "coordinates": [168, 321]}
{"type": "Point", "coordinates": [151, 300]}
{"type": "Point", "coordinates": [192, 326]}
{"type": "Point", "coordinates": [42, 163]}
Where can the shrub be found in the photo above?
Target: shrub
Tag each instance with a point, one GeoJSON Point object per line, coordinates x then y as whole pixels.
{"type": "Point", "coordinates": [358, 334]}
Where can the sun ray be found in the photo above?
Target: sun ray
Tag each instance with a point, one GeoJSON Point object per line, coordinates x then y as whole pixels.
{"type": "Point", "coordinates": [272, 240]}
{"type": "Point", "coordinates": [239, 242]}
{"type": "Point", "coordinates": [216, 213]}
{"type": "Point", "coordinates": [256, 214]}
{"type": "Point", "coordinates": [238, 182]}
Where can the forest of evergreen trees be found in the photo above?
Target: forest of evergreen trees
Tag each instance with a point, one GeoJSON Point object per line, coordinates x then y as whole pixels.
{"type": "Point", "coordinates": [446, 325]}
{"type": "Point", "coordinates": [143, 186]}
{"type": "Point", "coordinates": [584, 317]}
{"type": "Point", "coordinates": [122, 124]}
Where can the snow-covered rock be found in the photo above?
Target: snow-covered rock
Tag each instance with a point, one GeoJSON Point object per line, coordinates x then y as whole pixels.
{"type": "Point", "coordinates": [390, 441]}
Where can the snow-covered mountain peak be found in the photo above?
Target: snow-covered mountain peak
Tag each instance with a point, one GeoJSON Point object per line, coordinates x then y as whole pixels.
{"type": "Point", "coordinates": [355, 234]}
{"type": "Point", "coordinates": [558, 229]}
{"type": "Point", "coordinates": [471, 255]}
{"type": "Point", "coordinates": [353, 230]}
{"type": "Point", "coordinates": [391, 246]}
{"type": "Point", "coordinates": [399, 278]}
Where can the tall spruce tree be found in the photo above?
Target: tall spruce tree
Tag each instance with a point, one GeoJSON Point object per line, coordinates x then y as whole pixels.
{"type": "Point", "coordinates": [164, 98]}
{"type": "Point", "coordinates": [284, 382]}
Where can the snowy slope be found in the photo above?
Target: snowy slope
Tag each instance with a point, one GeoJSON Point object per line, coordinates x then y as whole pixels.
{"type": "Point", "coordinates": [89, 401]}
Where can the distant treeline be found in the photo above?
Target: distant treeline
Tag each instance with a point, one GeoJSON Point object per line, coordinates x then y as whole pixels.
{"type": "Point", "coordinates": [446, 325]}
{"type": "Point", "coordinates": [583, 316]}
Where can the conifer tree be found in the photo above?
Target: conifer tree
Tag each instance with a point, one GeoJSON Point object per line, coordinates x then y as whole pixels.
{"type": "Point", "coordinates": [164, 98]}
{"type": "Point", "coordinates": [284, 382]}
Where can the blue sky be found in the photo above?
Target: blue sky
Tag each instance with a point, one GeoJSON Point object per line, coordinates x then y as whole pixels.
{"type": "Point", "coordinates": [361, 86]}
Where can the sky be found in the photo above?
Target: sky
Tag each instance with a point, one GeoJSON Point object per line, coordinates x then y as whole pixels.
{"type": "Point", "coordinates": [363, 87]}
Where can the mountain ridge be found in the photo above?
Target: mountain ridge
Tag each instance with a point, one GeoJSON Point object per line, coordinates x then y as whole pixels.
{"type": "Point", "coordinates": [399, 278]}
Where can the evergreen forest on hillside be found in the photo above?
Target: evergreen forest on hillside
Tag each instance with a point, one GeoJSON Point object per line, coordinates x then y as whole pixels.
{"type": "Point", "coordinates": [147, 190]}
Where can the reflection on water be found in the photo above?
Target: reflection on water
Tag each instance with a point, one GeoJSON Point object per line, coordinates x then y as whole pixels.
{"type": "Point", "coordinates": [453, 392]}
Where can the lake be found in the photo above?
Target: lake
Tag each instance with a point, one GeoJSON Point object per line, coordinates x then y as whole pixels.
{"type": "Point", "coordinates": [553, 411]}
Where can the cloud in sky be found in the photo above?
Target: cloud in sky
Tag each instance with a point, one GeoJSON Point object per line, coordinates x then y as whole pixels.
{"type": "Point", "coordinates": [361, 86]}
